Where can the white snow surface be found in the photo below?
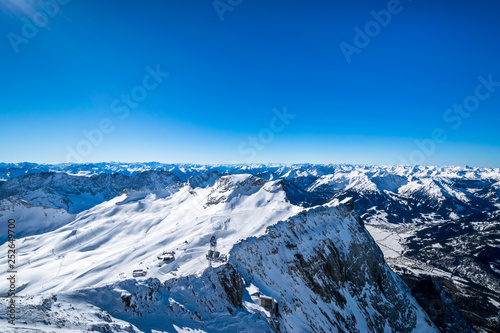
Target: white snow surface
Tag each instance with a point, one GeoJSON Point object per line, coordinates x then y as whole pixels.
{"type": "Point", "coordinates": [107, 242]}
{"type": "Point", "coordinates": [31, 219]}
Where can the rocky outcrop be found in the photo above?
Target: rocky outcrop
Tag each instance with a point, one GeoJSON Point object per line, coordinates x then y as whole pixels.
{"type": "Point", "coordinates": [440, 308]}
{"type": "Point", "coordinates": [327, 274]}
{"type": "Point", "coordinates": [227, 187]}
{"type": "Point", "coordinates": [231, 282]}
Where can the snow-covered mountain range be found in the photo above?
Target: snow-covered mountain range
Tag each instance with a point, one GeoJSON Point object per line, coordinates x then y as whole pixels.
{"type": "Point", "coordinates": [295, 234]}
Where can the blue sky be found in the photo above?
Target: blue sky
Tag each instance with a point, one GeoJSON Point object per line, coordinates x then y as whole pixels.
{"type": "Point", "coordinates": [270, 82]}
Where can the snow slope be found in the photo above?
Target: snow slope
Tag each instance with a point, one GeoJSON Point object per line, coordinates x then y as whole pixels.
{"type": "Point", "coordinates": [321, 266]}
{"type": "Point", "coordinates": [105, 243]}
{"type": "Point", "coordinates": [31, 219]}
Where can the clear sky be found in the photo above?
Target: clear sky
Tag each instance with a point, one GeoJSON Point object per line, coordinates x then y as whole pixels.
{"type": "Point", "coordinates": [380, 82]}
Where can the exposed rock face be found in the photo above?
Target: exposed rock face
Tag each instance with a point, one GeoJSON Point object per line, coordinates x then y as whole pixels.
{"type": "Point", "coordinates": [327, 274]}
{"type": "Point", "coordinates": [227, 187]}
{"type": "Point", "coordinates": [439, 307]}
{"type": "Point", "coordinates": [232, 283]}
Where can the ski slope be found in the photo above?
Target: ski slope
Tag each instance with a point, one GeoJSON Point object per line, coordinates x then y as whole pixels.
{"type": "Point", "coordinates": [107, 242]}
